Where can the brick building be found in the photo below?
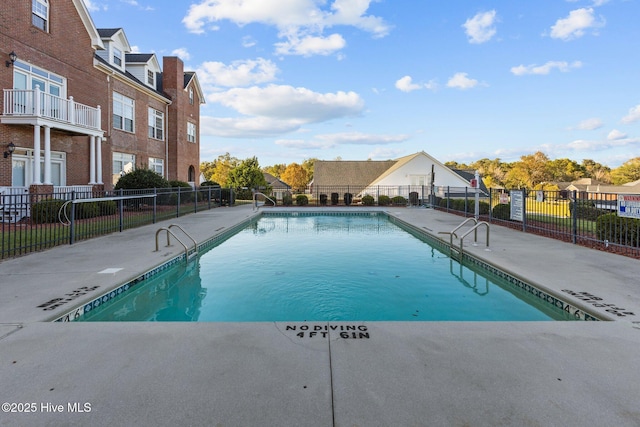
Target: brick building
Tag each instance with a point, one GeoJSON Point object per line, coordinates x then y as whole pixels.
{"type": "Point", "coordinates": [80, 109]}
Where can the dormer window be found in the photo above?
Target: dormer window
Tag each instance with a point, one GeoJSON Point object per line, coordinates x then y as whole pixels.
{"type": "Point", "coordinates": [117, 56]}
{"type": "Point", "coordinates": [151, 78]}
{"type": "Point", "coordinates": [40, 14]}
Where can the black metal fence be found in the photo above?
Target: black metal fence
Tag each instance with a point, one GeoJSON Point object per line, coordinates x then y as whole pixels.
{"type": "Point", "coordinates": [605, 221]}
{"type": "Point", "coordinates": [33, 222]}
{"type": "Point", "coordinates": [37, 221]}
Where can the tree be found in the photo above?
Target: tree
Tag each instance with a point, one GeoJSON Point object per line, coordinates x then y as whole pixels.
{"type": "Point", "coordinates": [629, 171]}
{"type": "Point", "coordinates": [531, 170]}
{"type": "Point", "coordinates": [207, 169]}
{"type": "Point", "coordinates": [247, 174]}
{"type": "Point", "coordinates": [309, 165]}
{"type": "Point", "coordinates": [565, 170]}
{"type": "Point", "coordinates": [596, 171]}
{"type": "Point", "coordinates": [296, 176]}
{"type": "Point", "coordinates": [275, 170]}
{"type": "Point", "coordinates": [493, 172]}
{"type": "Point", "coordinates": [221, 169]}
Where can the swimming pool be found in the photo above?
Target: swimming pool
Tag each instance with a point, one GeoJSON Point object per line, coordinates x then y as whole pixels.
{"type": "Point", "coordinates": [298, 267]}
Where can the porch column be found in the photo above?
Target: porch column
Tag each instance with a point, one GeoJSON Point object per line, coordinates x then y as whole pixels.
{"type": "Point", "coordinates": [36, 155]}
{"type": "Point", "coordinates": [92, 160]}
{"type": "Point", "coordinates": [99, 159]}
{"type": "Point", "coordinates": [47, 155]}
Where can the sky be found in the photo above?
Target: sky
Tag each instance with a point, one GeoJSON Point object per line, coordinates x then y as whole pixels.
{"type": "Point", "coordinates": [289, 80]}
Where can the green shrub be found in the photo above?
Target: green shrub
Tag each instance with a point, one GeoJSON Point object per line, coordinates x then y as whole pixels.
{"type": "Point", "coordinates": [141, 178]}
{"type": "Point", "coordinates": [620, 230]}
{"type": "Point", "coordinates": [501, 211]}
{"type": "Point", "coordinates": [287, 199]}
{"type": "Point", "coordinates": [186, 191]}
{"type": "Point", "coordinates": [384, 200]}
{"type": "Point", "coordinates": [209, 184]}
{"type": "Point", "coordinates": [586, 209]}
{"type": "Point", "coordinates": [243, 194]}
{"type": "Point", "coordinates": [302, 200]}
{"type": "Point", "coordinates": [368, 200]}
{"type": "Point", "coordinates": [108, 207]}
{"type": "Point", "coordinates": [87, 210]}
{"type": "Point", "coordinates": [227, 197]}
{"type": "Point", "coordinates": [399, 200]}
{"type": "Point", "coordinates": [46, 211]}
{"type": "Point", "coordinates": [483, 207]}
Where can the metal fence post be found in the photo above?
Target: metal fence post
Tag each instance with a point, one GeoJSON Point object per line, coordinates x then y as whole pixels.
{"type": "Point", "coordinates": [155, 205]}
{"type": "Point", "coordinates": [524, 209]}
{"type": "Point", "coordinates": [72, 222]}
{"type": "Point", "coordinates": [121, 212]}
{"type": "Point", "coordinates": [178, 204]}
{"type": "Point", "coordinates": [574, 217]}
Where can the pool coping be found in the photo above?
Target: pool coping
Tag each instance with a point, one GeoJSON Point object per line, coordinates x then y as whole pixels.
{"type": "Point", "coordinates": [545, 295]}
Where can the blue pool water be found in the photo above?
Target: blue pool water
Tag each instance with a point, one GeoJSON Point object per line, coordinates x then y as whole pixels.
{"type": "Point", "coordinates": [323, 268]}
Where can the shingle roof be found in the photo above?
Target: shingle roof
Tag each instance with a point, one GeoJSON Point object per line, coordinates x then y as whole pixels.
{"type": "Point", "coordinates": [355, 174]}
{"type": "Point", "coordinates": [275, 183]}
{"type": "Point", "coordinates": [138, 57]}
{"type": "Point", "coordinates": [108, 32]}
{"type": "Point", "coordinates": [128, 75]}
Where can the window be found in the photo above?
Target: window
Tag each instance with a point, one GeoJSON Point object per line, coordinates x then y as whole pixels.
{"type": "Point", "coordinates": [191, 95]}
{"type": "Point", "coordinates": [117, 57]}
{"type": "Point", "coordinates": [151, 77]}
{"type": "Point", "coordinates": [418, 179]}
{"type": "Point", "coordinates": [123, 108]}
{"type": "Point", "coordinates": [156, 124]}
{"type": "Point", "coordinates": [40, 14]}
{"type": "Point", "coordinates": [191, 132]}
{"type": "Point", "coordinates": [27, 77]}
{"type": "Point", "coordinates": [156, 165]}
{"type": "Point", "coordinates": [122, 163]}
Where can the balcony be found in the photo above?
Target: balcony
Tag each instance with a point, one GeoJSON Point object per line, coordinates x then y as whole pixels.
{"type": "Point", "coordinates": [35, 107]}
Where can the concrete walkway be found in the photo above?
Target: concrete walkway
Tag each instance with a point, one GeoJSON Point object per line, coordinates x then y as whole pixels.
{"type": "Point", "coordinates": [266, 374]}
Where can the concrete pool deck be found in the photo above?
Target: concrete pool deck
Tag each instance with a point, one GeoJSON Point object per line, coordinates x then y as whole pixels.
{"type": "Point", "coordinates": [346, 374]}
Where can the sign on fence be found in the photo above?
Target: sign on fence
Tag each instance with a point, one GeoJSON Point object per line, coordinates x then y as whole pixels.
{"type": "Point", "coordinates": [517, 205]}
{"type": "Point", "coordinates": [629, 205]}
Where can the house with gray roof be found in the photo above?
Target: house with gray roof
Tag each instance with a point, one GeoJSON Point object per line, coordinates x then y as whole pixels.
{"type": "Point", "coordinates": [414, 177]}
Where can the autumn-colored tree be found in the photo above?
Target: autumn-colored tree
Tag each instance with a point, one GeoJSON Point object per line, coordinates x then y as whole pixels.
{"type": "Point", "coordinates": [221, 168]}
{"type": "Point", "coordinates": [532, 169]}
{"type": "Point", "coordinates": [596, 171]}
{"type": "Point", "coordinates": [629, 171]}
{"type": "Point", "coordinates": [296, 176]}
{"type": "Point", "coordinates": [275, 170]}
{"type": "Point", "coordinates": [207, 169]}
{"type": "Point", "coordinates": [493, 172]}
{"type": "Point", "coordinates": [565, 170]}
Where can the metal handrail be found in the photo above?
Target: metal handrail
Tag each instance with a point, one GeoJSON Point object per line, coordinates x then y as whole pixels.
{"type": "Point", "coordinates": [255, 201]}
{"type": "Point", "coordinates": [186, 249]}
{"type": "Point", "coordinates": [453, 232]}
{"type": "Point", "coordinates": [475, 228]}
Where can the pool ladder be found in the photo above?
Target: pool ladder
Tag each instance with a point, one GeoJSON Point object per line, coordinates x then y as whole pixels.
{"type": "Point", "coordinates": [452, 233]}
{"type": "Point", "coordinates": [188, 254]}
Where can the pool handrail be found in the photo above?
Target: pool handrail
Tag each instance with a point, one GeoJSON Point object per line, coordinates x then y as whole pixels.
{"type": "Point", "coordinates": [453, 232]}
{"type": "Point", "coordinates": [475, 229]}
{"type": "Point", "coordinates": [186, 249]}
{"type": "Point", "coordinates": [255, 200]}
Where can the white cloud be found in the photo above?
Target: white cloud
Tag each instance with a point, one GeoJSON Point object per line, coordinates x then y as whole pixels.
{"type": "Point", "coordinates": [406, 84]}
{"type": "Point", "coordinates": [633, 116]}
{"type": "Point", "coordinates": [326, 141]}
{"type": "Point", "coordinates": [182, 53]}
{"type": "Point", "coordinates": [300, 23]}
{"type": "Point", "coordinates": [214, 74]}
{"type": "Point", "coordinates": [311, 45]}
{"type": "Point", "coordinates": [288, 102]}
{"type": "Point", "coordinates": [481, 27]}
{"type": "Point", "coordinates": [135, 49]}
{"type": "Point", "coordinates": [544, 69]}
{"type": "Point", "coordinates": [461, 81]}
{"type": "Point", "coordinates": [575, 25]}
{"type": "Point", "coordinates": [275, 110]}
{"type": "Point", "coordinates": [616, 134]}
{"type": "Point", "coordinates": [590, 124]}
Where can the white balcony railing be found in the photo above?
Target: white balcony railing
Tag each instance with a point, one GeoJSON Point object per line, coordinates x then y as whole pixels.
{"type": "Point", "coordinates": [36, 103]}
